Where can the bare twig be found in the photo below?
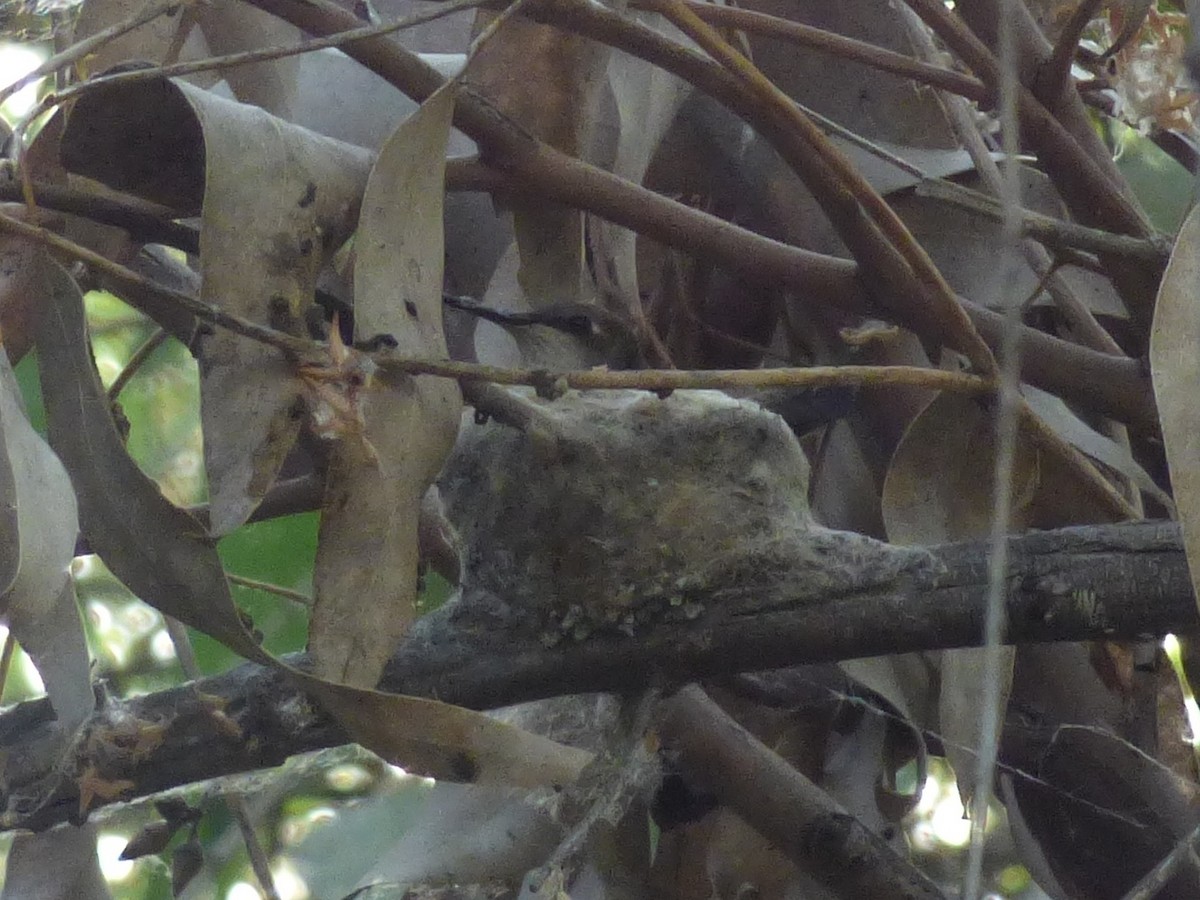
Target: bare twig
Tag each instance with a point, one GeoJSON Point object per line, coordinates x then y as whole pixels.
{"type": "Point", "coordinates": [127, 277]}
{"type": "Point", "coordinates": [887, 248]}
{"type": "Point", "coordinates": [254, 848]}
{"type": "Point", "coordinates": [796, 816]}
{"type": "Point", "coordinates": [834, 44]}
{"type": "Point", "coordinates": [278, 590]}
{"type": "Point", "coordinates": [1152, 883]}
{"type": "Point", "coordinates": [80, 49]}
{"type": "Point", "coordinates": [233, 60]}
{"type": "Point", "coordinates": [661, 380]}
{"type": "Point", "coordinates": [144, 220]}
{"type": "Point", "coordinates": [135, 362]}
{"type": "Point", "coordinates": [1056, 72]}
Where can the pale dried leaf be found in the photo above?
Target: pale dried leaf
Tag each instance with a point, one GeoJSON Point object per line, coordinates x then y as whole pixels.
{"type": "Point", "coordinates": [277, 200]}
{"type": "Point", "coordinates": [960, 707]}
{"type": "Point", "coordinates": [40, 602]}
{"type": "Point", "coordinates": [1175, 368]}
{"type": "Point", "coordinates": [365, 581]}
{"type": "Point", "coordinates": [232, 27]}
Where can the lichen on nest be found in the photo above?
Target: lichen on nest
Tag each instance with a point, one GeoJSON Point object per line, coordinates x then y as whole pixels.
{"type": "Point", "coordinates": [615, 506]}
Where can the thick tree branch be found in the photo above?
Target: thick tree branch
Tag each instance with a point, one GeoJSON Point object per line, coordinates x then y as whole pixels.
{"type": "Point", "coordinates": [1119, 581]}
{"type": "Point", "coordinates": [799, 818]}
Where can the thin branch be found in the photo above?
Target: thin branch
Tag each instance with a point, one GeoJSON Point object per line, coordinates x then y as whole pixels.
{"type": "Point", "coordinates": [1056, 71]}
{"type": "Point", "coordinates": [1054, 233]}
{"type": "Point", "coordinates": [591, 379]}
{"type": "Point", "coordinates": [254, 848]}
{"type": "Point", "coordinates": [837, 45]}
{"type": "Point", "coordinates": [80, 49]}
{"type": "Point", "coordinates": [136, 361]}
{"type": "Point", "coordinates": [145, 221]}
{"type": "Point", "coordinates": [277, 590]}
{"type": "Point", "coordinates": [184, 651]}
{"type": "Point", "coordinates": [233, 60]}
{"type": "Point", "coordinates": [795, 815]}
{"type": "Point", "coordinates": [125, 277]}
{"type": "Point", "coordinates": [665, 380]}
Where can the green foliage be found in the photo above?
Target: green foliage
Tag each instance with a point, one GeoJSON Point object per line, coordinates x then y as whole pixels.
{"type": "Point", "coordinates": [1163, 186]}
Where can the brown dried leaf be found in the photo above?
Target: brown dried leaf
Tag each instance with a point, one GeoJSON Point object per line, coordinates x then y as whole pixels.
{"type": "Point", "coordinates": [939, 486]}
{"type": "Point", "coordinates": [18, 290]}
{"type": "Point", "coordinates": [160, 551]}
{"type": "Point", "coordinates": [365, 581]}
{"type": "Point", "coordinates": [1175, 369]}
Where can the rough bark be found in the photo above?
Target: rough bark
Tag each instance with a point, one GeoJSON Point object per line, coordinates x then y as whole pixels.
{"type": "Point", "coordinates": [1119, 581]}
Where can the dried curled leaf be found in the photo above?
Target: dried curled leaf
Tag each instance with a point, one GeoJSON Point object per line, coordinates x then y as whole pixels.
{"type": "Point", "coordinates": [275, 199]}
